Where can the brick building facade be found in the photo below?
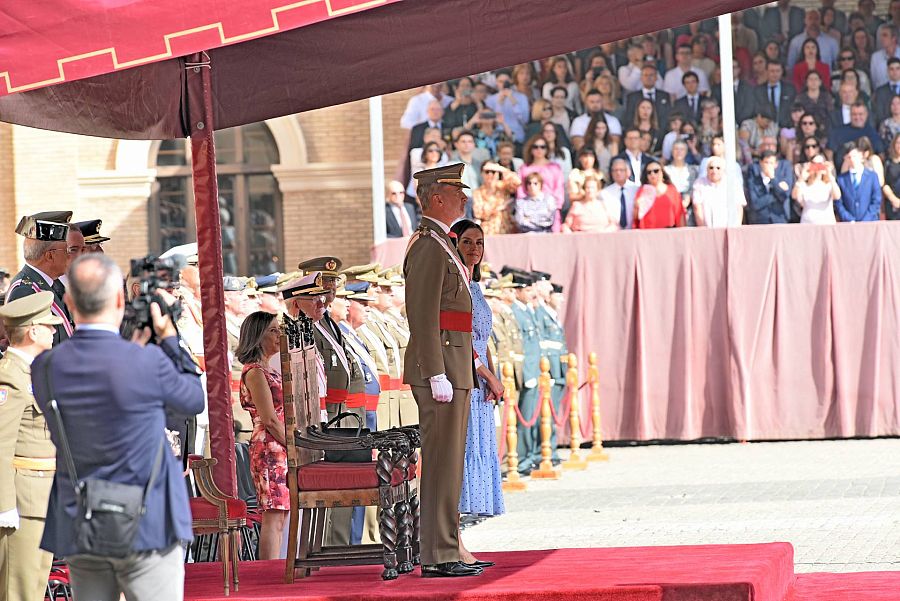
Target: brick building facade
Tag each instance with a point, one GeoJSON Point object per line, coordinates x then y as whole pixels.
{"type": "Point", "coordinates": [323, 177]}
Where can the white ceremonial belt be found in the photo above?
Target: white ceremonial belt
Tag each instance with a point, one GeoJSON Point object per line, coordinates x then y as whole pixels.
{"type": "Point", "coordinates": [551, 344]}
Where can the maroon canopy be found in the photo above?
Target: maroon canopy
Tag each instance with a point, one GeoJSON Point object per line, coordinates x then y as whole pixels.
{"type": "Point", "coordinates": [384, 49]}
{"type": "Point", "coordinates": [163, 69]}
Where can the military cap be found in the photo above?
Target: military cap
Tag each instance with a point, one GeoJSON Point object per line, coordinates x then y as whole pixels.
{"type": "Point", "coordinates": [557, 289]}
{"type": "Point", "coordinates": [359, 291]}
{"type": "Point", "coordinates": [30, 310]}
{"type": "Point", "coordinates": [540, 275]}
{"type": "Point", "coordinates": [233, 284]}
{"type": "Point", "coordinates": [506, 282]}
{"type": "Point", "coordinates": [91, 231]}
{"type": "Point", "coordinates": [342, 292]}
{"type": "Point", "coordinates": [4, 272]}
{"type": "Point", "coordinates": [267, 283]}
{"type": "Point", "coordinates": [355, 270]}
{"type": "Point", "coordinates": [308, 285]}
{"type": "Point", "coordinates": [519, 276]}
{"type": "Point", "coordinates": [50, 226]}
{"type": "Point", "coordinates": [284, 278]}
{"type": "Point", "coordinates": [188, 251]}
{"type": "Point", "coordinates": [251, 288]}
{"type": "Point", "coordinates": [327, 266]}
{"type": "Point", "coordinates": [448, 174]}
{"type": "Point", "coordinates": [492, 293]}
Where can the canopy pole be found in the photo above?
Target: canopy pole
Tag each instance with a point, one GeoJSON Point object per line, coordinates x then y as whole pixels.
{"type": "Point", "coordinates": [727, 89]}
{"type": "Point", "coordinates": [376, 137]}
{"type": "Point", "coordinates": [209, 251]}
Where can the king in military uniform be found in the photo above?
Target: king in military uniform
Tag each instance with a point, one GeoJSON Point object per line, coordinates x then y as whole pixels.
{"type": "Point", "coordinates": [27, 455]}
{"type": "Point", "coordinates": [439, 364]}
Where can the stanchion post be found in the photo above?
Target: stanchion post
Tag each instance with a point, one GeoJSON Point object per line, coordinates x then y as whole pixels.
{"type": "Point", "coordinates": [597, 453]}
{"type": "Point", "coordinates": [513, 482]}
{"type": "Point", "coordinates": [575, 461]}
{"type": "Point", "coordinates": [546, 470]}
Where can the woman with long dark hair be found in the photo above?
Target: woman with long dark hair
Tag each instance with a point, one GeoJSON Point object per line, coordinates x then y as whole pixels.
{"type": "Point", "coordinates": [261, 396]}
{"type": "Point", "coordinates": [658, 203]}
{"type": "Point", "coordinates": [481, 492]}
{"type": "Point", "coordinates": [810, 61]}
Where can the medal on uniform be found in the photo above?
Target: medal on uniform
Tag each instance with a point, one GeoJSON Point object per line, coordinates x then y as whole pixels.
{"type": "Point", "coordinates": [3, 394]}
{"type": "Point", "coordinates": [333, 360]}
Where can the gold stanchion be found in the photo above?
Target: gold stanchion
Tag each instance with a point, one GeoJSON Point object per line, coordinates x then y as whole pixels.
{"type": "Point", "coordinates": [575, 461]}
{"type": "Point", "coordinates": [513, 482]}
{"type": "Point", "coordinates": [597, 453]}
{"type": "Point", "coordinates": [546, 470]}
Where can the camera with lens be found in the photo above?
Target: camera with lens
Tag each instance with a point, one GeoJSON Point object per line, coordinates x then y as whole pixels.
{"type": "Point", "coordinates": [151, 273]}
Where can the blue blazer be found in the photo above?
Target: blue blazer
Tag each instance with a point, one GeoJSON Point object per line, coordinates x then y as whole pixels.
{"type": "Point", "coordinates": [859, 204]}
{"type": "Point", "coordinates": [113, 396]}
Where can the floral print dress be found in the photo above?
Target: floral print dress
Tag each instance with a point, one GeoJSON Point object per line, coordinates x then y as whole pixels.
{"type": "Point", "coordinates": [268, 457]}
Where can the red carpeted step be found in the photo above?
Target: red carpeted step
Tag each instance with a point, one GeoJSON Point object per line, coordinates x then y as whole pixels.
{"type": "Point", "coordinates": [858, 586]}
{"type": "Point", "coordinates": [702, 573]}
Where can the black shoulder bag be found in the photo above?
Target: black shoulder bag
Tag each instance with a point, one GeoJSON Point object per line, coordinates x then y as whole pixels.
{"type": "Point", "coordinates": [109, 513]}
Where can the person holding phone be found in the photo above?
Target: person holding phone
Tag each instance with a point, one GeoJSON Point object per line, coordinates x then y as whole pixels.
{"type": "Point", "coordinates": [816, 191]}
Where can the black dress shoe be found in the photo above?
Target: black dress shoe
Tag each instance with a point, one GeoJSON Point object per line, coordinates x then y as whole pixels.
{"type": "Point", "coordinates": [450, 569]}
{"type": "Point", "coordinates": [480, 564]}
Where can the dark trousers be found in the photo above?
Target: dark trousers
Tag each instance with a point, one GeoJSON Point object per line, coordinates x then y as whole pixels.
{"type": "Point", "coordinates": [529, 447]}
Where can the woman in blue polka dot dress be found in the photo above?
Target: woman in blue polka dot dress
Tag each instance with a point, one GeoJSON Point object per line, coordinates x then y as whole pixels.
{"type": "Point", "coordinates": [481, 491]}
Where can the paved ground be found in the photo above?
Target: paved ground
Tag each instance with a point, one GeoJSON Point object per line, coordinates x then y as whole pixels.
{"type": "Point", "coordinates": [837, 502]}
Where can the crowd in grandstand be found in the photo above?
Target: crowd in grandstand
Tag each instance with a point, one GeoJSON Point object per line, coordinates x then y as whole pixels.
{"type": "Point", "coordinates": [629, 134]}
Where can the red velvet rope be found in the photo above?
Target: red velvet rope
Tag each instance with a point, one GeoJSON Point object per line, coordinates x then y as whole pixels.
{"type": "Point", "coordinates": [528, 423]}
{"type": "Point", "coordinates": [564, 407]}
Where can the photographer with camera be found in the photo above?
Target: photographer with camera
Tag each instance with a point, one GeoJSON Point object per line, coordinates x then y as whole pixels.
{"type": "Point", "coordinates": [112, 396]}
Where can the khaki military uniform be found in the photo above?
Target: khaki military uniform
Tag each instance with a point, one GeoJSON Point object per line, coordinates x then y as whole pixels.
{"type": "Point", "coordinates": [343, 377]}
{"type": "Point", "coordinates": [437, 287]}
{"type": "Point", "coordinates": [27, 466]}
{"type": "Point", "coordinates": [399, 329]}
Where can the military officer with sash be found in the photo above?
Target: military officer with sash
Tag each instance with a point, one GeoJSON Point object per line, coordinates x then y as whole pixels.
{"type": "Point", "coordinates": [46, 259]}
{"type": "Point", "coordinates": [27, 455]}
{"type": "Point", "coordinates": [440, 364]}
{"type": "Point", "coordinates": [396, 324]}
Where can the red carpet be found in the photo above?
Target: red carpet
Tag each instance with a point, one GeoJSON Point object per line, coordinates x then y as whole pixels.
{"type": "Point", "coordinates": [862, 586]}
{"type": "Point", "coordinates": [703, 573]}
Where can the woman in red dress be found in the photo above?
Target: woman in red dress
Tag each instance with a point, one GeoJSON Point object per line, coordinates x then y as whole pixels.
{"type": "Point", "coordinates": [262, 397]}
{"type": "Point", "coordinates": [658, 203]}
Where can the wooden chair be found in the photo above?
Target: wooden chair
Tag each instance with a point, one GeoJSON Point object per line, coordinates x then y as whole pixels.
{"type": "Point", "coordinates": [214, 512]}
{"type": "Point", "coordinates": [315, 485]}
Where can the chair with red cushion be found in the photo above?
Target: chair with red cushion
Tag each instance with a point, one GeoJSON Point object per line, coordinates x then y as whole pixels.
{"type": "Point", "coordinates": [316, 485]}
{"type": "Point", "coordinates": [214, 512]}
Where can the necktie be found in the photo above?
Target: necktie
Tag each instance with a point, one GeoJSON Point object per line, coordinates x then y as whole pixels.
{"type": "Point", "coordinates": [405, 225]}
{"type": "Point", "coordinates": [623, 218]}
{"type": "Point", "coordinates": [772, 97]}
{"type": "Point", "coordinates": [651, 95]}
{"type": "Point", "coordinates": [896, 88]}
{"type": "Point", "coordinates": [691, 102]}
{"type": "Point", "coordinates": [856, 179]}
{"type": "Point", "coordinates": [58, 288]}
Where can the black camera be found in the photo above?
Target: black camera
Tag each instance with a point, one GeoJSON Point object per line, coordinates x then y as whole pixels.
{"type": "Point", "coordinates": [152, 273]}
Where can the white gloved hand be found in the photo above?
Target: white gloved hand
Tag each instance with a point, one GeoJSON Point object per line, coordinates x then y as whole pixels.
{"type": "Point", "coordinates": [9, 519]}
{"type": "Point", "coordinates": [441, 388]}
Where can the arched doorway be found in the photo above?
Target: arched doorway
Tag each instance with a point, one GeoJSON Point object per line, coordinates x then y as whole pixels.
{"type": "Point", "coordinates": [249, 199]}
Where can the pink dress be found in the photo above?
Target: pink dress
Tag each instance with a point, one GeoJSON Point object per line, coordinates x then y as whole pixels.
{"type": "Point", "coordinates": [589, 216]}
{"type": "Point", "coordinates": [554, 184]}
{"type": "Point", "coordinates": [268, 457]}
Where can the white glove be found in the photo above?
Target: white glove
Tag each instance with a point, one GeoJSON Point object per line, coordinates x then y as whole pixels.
{"type": "Point", "coordinates": [9, 519]}
{"type": "Point", "coordinates": [441, 388]}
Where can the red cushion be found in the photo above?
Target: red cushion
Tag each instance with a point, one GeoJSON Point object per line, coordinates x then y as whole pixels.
{"type": "Point", "coordinates": [201, 509]}
{"type": "Point", "coordinates": [323, 475]}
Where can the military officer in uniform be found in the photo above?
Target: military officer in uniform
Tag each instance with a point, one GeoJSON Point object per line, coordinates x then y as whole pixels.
{"type": "Point", "coordinates": [46, 259]}
{"type": "Point", "coordinates": [93, 239]}
{"type": "Point", "coordinates": [440, 364]}
{"type": "Point", "coordinates": [345, 380]}
{"type": "Point", "coordinates": [27, 455]}
{"type": "Point", "coordinates": [529, 448]}
{"type": "Point", "coordinates": [553, 346]}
